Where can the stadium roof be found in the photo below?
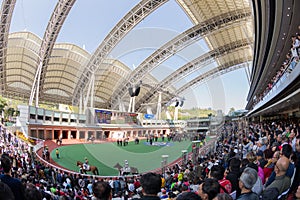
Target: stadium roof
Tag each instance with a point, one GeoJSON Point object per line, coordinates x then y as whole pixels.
{"type": "Point", "coordinates": [42, 70]}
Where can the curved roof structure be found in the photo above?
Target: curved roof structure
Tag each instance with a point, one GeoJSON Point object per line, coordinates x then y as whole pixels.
{"type": "Point", "coordinates": [42, 70]}
{"type": "Point", "coordinates": [215, 25]}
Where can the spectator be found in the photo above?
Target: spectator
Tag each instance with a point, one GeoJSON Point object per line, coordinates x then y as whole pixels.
{"type": "Point", "coordinates": [260, 158]}
{"type": "Point", "coordinates": [15, 184]}
{"type": "Point", "coordinates": [5, 192]}
{"type": "Point", "coordinates": [296, 181]}
{"type": "Point", "coordinates": [151, 184]}
{"type": "Point", "coordinates": [164, 194]}
{"type": "Point", "coordinates": [286, 152]}
{"type": "Point", "coordinates": [246, 182]}
{"type": "Point", "coordinates": [258, 186]}
{"type": "Point", "coordinates": [253, 162]}
{"type": "Point", "coordinates": [298, 192]}
{"type": "Point", "coordinates": [32, 193]}
{"type": "Point", "coordinates": [209, 189]}
{"type": "Point", "coordinates": [234, 174]}
{"type": "Point", "coordinates": [281, 182]}
{"type": "Point", "coordinates": [269, 167]}
{"type": "Point", "coordinates": [261, 144]}
{"type": "Point", "coordinates": [217, 172]}
{"type": "Point", "coordinates": [223, 196]}
{"type": "Point", "coordinates": [102, 190]}
{"type": "Point", "coordinates": [188, 196]}
{"type": "Point", "coordinates": [292, 138]}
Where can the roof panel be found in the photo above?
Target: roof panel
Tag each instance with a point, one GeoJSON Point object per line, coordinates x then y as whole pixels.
{"type": "Point", "coordinates": [66, 61]}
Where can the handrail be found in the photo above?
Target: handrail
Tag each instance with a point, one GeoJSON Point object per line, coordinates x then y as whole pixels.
{"type": "Point", "coordinates": [278, 81]}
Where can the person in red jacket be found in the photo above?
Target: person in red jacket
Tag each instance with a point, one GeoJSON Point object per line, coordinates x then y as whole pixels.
{"type": "Point", "coordinates": [269, 167]}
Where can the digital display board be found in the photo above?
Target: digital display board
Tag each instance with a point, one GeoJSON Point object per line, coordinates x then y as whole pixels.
{"type": "Point", "coordinates": [103, 116]}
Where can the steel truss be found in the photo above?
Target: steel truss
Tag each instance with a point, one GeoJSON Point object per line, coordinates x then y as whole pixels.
{"type": "Point", "coordinates": [56, 21]}
{"type": "Point", "coordinates": [195, 65]}
{"type": "Point", "coordinates": [223, 69]}
{"type": "Point", "coordinates": [126, 24]}
{"type": "Point", "coordinates": [7, 8]}
{"type": "Point", "coordinates": [178, 43]}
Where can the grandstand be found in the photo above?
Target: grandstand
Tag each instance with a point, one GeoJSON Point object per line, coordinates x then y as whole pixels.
{"type": "Point", "coordinates": [102, 104]}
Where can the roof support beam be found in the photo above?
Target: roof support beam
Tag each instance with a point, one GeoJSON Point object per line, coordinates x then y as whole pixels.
{"type": "Point", "coordinates": [223, 69]}
{"type": "Point", "coordinates": [196, 64]}
{"type": "Point", "coordinates": [126, 24]}
{"type": "Point", "coordinates": [178, 43]}
{"type": "Point", "coordinates": [7, 8]}
{"type": "Point", "coordinates": [57, 19]}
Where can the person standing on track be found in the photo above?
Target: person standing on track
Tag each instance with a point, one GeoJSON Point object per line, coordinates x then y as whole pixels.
{"type": "Point", "coordinates": [57, 153]}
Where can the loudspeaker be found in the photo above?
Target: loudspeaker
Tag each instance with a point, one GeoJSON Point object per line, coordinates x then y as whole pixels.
{"type": "Point", "coordinates": [181, 103]}
{"type": "Point", "coordinates": [137, 91]}
{"type": "Point", "coordinates": [177, 103]}
{"type": "Point", "coordinates": [130, 92]}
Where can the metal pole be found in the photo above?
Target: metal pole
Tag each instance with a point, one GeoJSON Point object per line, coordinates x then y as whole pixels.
{"type": "Point", "coordinates": [164, 163]}
{"type": "Point", "coordinates": [184, 157]}
{"type": "Point", "coordinates": [195, 151]}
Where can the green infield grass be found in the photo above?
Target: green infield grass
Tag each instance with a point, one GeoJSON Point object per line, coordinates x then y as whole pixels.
{"type": "Point", "coordinates": [106, 155]}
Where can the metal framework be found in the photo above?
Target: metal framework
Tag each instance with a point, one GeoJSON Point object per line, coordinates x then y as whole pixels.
{"type": "Point", "coordinates": [128, 22]}
{"type": "Point", "coordinates": [178, 43]}
{"type": "Point", "coordinates": [7, 8]}
{"type": "Point", "coordinates": [57, 19]}
{"type": "Point", "coordinates": [218, 71]}
{"type": "Point", "coordinates": [42, 70]}
{"type": "Point", "coordinates": [196, 64]}
{"type": "Point", "coordinates": [213, 74]}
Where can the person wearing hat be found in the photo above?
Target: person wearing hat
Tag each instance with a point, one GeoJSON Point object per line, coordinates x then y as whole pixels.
{"type": "Point", "coordinates": [164, 194]}
{"type": "Point", "coordinates": [86, 165]}
{"type": "Point", "coordinates": [246, 182]}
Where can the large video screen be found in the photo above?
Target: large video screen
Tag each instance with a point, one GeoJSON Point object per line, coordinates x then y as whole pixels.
{"type": "Point", "coordinates": [103, 116]}
{"type": "Point", "coordinates": [131, 118]}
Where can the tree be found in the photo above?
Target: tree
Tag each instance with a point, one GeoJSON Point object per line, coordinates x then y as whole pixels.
{"type": "Point", "coordinates": [231, 111]}
{"type": "Point", "coordinates": [3, 103]}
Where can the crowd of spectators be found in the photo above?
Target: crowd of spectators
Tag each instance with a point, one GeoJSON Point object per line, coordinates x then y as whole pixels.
{"type": "Point", "coordinates": [290, 62]}
{"type": "Point", "coordinates": [260, 161]}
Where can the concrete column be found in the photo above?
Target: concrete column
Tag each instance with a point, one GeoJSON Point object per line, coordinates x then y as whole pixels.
{"type": "Point", "coordinates": [69, 134]}
{"type": "Point", "coordinates": [52, 135]}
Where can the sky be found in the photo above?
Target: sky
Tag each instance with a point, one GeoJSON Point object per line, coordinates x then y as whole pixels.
{"type": "Point", "coordinates": [89, 21]}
